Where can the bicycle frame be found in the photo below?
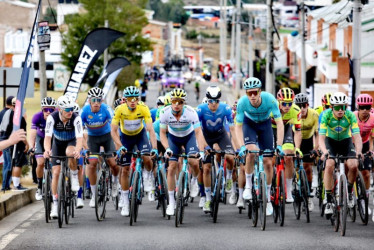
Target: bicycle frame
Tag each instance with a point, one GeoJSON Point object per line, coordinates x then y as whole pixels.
{"type": "Point", "coordinates": [257, 168]}
{"type": "Point", "coordinates": [221, 168]}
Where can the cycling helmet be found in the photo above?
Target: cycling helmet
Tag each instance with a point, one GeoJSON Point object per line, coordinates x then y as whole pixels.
{"type": "Point", "coordinates": [76, 108]}
{"type": "Point", "coordinates": [167, 100]}
{"type": "Point", "coordinates": [48, 102]}
{"type": "Point", "coordinates": [213, 92]}
{"type": "Point", "coordinates": [339, 98]}
{"type": "Point", "coordinates": [326, 99]}
{"type": "Point", "coordinates": [285, 95]}
{"type": "Point", "coordinates": [131, 91]}
{"type": "Point", "coordinates": [65, 102]}
{"type": "Point", "coordinates": [178, 93]}
{"type": "Point", "coordinates": [95, 92]}
{"type": "Point", "coordinates": [205, 100]}
{"type": "Point", "coordinates": [117, 102]}
{"type": "Point", "coordinates": [252, 83]}
{"type": "Point", "coordinates": [160, 100]}
{"type": "Point", "coordinates": [301, 98]}
{"type": "Point", "coordinates": [364, 99]}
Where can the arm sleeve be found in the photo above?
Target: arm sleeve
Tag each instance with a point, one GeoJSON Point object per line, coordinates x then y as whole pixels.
{"type": "Point", "coordinates": [229, 116]}
{"type": "Point", "coordinates": [323, 124]}
{"type": "Point", "coordinates": [117, 116]}
{"type": "Point", "coordinates": [34, 121]}
{"type": "Point", "coordinates": [354, 124]}
{"type": "Point", "coordinates": [163, 123]}
{"type": "Point", "coordinates": [275, 110]}
{"type": "Point", "coordinates": [240, 112]}
{"type": "Point", "coordinates": [147, 115]}
{"type": "Point", "coordinates": [83, 117]}
{"type": "Point", "coordinates": [78, 127]}
{"type": "Point", "coordinates": [49, 126]}
{"type": "Point", "coordinates": [195, 119]}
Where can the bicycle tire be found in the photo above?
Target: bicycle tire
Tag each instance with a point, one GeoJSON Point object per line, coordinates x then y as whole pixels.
{"type": "Point", "coordinates": [133, 201]}
{"type": "Point", "coordinates": [263, 201]}
{"type": "Point", "coordinates": [361, 195]}
{"type": "Point", "coordinates": [67, 198]}
{"type": "Point", "coordinates": [100, 199]}
{"type": "Point", "coordinates": [216, 197]}
{"type": "Point", "coordinates": [61, 199]}
{"type": "Point", "coordinates": [254, 207]}
{"type": "Point", "coordinates": [213, 176]}
{"type": "Point", "coordinates": [179, 199]}
{"type": "Point", "coordinates": [335, 217]}
{"type": "Point", "coordinates": [47, 196]}
{"type": "Point", "coordinates": [282, 199]}
{"type": "Point", "coordinates": [296, 196]}
{"type": "Point", "coordinates": [72, 207]}
{"type": "Point", "coordinates": [320, 191]}
{"type": "Point", "coordinates": [343, 204]}
{"type": "Point", "coordinates": [305, 194]}
{"type": "Point", "coordinates": [273, 194]}
{"type": "Point", "coordinates": [249, 213]}
{"type": "Point", "coordinates": [164, 193]}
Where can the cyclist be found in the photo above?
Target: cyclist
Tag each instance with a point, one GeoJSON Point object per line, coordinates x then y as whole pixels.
{"type": "Point", "coordinates": [66, 128]}
{"type": "Point", "coordinates": [97, 118]}
{"type": "Point", "coordinates": [37, 134]}
{"type": "Point", "coordinates": [335, 138]}
{"type": "Point", "coordinates": [292, 133]}
{"type": "Point", "coordinates": [309, 134]}
{"type": "Point", "coordinates": [254, 126]}
{"type": "Point", "coordinates": [325, 103]}
{"type": "Point", "coordinates": [182, 123]}
{"type": "Point", "coordinates": [365, 121]}
{"type": "Point", "coordinates": [134, 119]}
{"type": "Point", "coordinates": [213, 117]}
{"type": "Point", "coordinates": [160, 103]}
{"type": "Point", "coordinates": [117, 103]}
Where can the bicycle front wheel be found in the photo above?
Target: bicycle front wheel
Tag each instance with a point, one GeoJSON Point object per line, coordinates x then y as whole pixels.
{"type": "Point", "coordinates": [61, 199]}
{"type": "Point", "coordinates": [304, 193]}
{"type": "Point", "coordinates": [164, 195]}
{"type": "Point", "coordinates": [296, 196]}
{"type": "Point", "coordinates": [133, 202]}
{"type": "Point", "coordinates": [216, 197]}
{"type": "Point", "coordinates": [343, 200]}
{"type": "Point", "coordinates": [281, 198]}
{"type": "Point", "coordinates": [262, 200]}
{"type": "Point", "coordinates": [47, 195]}
{"type": "Point", "coordinates": [179, 209]}
{"type": "Point", "coordinates": [362, 199]}
{"type": "Point", "coordinates": [100, 196]}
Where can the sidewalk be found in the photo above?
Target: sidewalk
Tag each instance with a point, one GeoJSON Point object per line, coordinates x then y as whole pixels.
{"type": "Point", "coordinates": [10, 201]}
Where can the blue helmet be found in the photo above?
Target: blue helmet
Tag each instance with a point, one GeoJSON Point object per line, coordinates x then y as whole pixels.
{"type": "Point", "coordinates": [252, 83]}
{"type": "Point", "coordinates": [131, 91]}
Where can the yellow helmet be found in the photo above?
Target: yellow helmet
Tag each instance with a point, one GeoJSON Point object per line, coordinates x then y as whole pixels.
{"type": "Point", "coordinates": [326, 99]}
{"type": "Point", "coordinates": [167, 100]}
{"type": "Point", "coordinates": [285, 95]}
{"type": "Point", "coordinates": [178, 93]}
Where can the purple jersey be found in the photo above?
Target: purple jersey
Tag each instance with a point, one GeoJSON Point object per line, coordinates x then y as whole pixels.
{"type": "Point", "coordinates": [38, 122]}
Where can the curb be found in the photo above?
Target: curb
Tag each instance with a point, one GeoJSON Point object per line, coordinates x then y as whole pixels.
{"type": "Point", "coordinates": [16, 201]}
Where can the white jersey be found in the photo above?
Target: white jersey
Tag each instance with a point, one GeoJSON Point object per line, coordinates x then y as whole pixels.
{"type": "Point", "coordinates": [187, 123]}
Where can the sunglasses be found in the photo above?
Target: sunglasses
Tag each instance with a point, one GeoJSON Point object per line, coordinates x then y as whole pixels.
{"type": "Point", "coordinates": [95, 99]}
{"type": "Point", "coordinates": [132, 99]}
{"type": "Point", "coordinates": [177, 101]}
{"type": "Point", "coordinates": [50, 110]}
{"type": "Point", "coordinates": [68, 109]}
{"type": "Point", "coordinates": [213, 101]}
{"type": "Point", "coordinates": [340, 107]}
{"type": "Point", "coordinates": [286, 104]}
{"type": "Point", "coordinates": [362, 107]}
{"type": "Point", "coordinates": [302, 105]}
{"type": "Point", "coordinates": [252, 92]}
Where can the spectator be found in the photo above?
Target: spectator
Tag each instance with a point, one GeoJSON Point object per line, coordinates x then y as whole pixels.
{"type": "Point", "coordinates": [6, 151]}
{"type": "Point", "coordinates": [144, 88]}
{"type": "Point", "coordinates": [6, 128]}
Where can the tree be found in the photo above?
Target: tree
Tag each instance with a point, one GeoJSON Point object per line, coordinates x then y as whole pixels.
{"type": "Point", "coordinates": [122, 15]}
{"type": "Point", "coordinates": [50, 15]}
{"type": "Point", "coordinates": [171, 11]}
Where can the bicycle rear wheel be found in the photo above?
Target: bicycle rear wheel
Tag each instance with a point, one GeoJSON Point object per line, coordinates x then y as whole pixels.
{"type": "Point", "coordinates": [216, 198]}
{"type": "Point", "coordinates": [305, 193]}
{"type": "Point", "coordinates": [361, 196]}
{"type": "Point", "coordinates": [296, 197]}
{"type": "Point", "coordinates": [262, 200]}
{"type": "Point", "coordinates": [164, 196]}
{"type": "Point", "coordinates": [343, 200]}
{"type": "Point", "coordinates": [47, 196]}
{"type": "Point", "coordinates": [134, 195]}
{"type": "Point", "coordinates": [255, 206]}
{"type": "Point", "coordinates": [61, 199]}
{"type": "Point", "coordinates": [281, 198]}
{"type": "Point", "coordinates": [180, 200]}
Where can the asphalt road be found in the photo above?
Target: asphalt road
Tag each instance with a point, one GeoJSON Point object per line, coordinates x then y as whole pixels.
{"type": "Point", "coordinates": [26, 228]}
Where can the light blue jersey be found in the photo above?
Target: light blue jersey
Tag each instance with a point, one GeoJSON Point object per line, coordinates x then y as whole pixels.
{"type": "Point", "coordinates": [97, 123]}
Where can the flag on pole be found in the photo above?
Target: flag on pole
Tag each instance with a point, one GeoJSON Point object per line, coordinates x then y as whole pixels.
{"type": "Point", "coordinates": [93, 46]}
{"type": "Point", "coordinates": [351, 86]}
{"type": "Point", "coordinates": [25, 75]}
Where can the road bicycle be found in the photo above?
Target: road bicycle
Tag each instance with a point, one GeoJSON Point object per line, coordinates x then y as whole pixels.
{"type": "Point", "coordinates": [161, 192]}
{"type": "Point", "coordinates": [278, 191]}
{"type": "Point", "coordinates": [301, 191]}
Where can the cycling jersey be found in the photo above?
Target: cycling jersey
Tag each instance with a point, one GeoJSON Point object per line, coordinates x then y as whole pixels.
{"type": "Point", "coordinates": [291, 117]}
{"type": "Point", "coordinates": [131, 122]}
{"type": "Point", "coordinates": [338, 129]}
{"type": "Point", "coordinates": [213, 123]}
{"type": "Point", "coordinates": [38, 123]}
{"type": "Point", "coordinates": [64, 132]}
{"type": "Point", "coordinates": [156, 127]}
{"type": "Point", "coordinates": [309, 125]}
{"type": "Point", "coordinates": [98, 123]}
{"type": "Point", "coordinates": [153, 114]}
{"type": "Point", "coordinates": [186, 124]}
{"type": "Point", "coordinates": [319, 109]}
{"type": "Point", "coordinates": [366, 127]}
{"type": "Point", "coordinates": [260, 114]}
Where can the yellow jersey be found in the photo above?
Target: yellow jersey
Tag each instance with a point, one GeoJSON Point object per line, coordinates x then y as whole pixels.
{"type": "Point", "coordinates": [131, 122]}
{"type": "Point", "coordinates": [309, 125]}
{"type": "Point", "coordinates": [319, 109]}
{"type": "Point", "coordinates": [291, 117]}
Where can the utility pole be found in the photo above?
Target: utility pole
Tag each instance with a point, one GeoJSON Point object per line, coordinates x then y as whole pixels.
{"type": "Point", "coordinates": [221, 27]}
{"type": "Point", "coordinates": [106, 50]}
{"type": "Point", "coordinates": [232, 48]}
{"type": "Point", "coordinates": [356, 46]}
{"type": "Point", "coordinates": [238, 75]}
{"type": "Point", "coordinates": [250, 46]}
{"type": "Point", "coordinates": [302, 35]}
{"type": "Point", "coordinates": [269, 50]}
{"type": "Point", "coordinates": [42, 67]}
{"type": "Point", "coordinates": [224, 32]}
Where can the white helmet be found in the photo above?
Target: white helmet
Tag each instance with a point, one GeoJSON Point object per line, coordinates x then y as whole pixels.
{"type": "Point", "coordinates": [64, 102]}
{"type": "Point", "coordinates": [95, 92]}
{"type": "Point", "coordinates": [48, 102]}
{"type": "Point", "coordinates": [76, 108]}
{"type": "Point", "coordinates": [161, 100]}
{"type": "Point", "coordinates": [213, 92]}
{"type": "Point", "coordinates": [339, 98]}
